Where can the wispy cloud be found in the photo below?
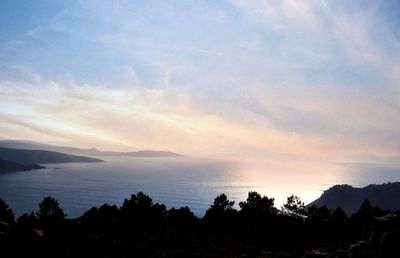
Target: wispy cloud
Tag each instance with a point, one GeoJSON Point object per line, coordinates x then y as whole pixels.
{"type": "Point", "coordinates": [325, 124]}
{"type": "Point", "coordinates": [309, 79]}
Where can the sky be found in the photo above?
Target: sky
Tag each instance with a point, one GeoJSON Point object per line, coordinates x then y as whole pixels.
{"type": "Point", "coordinates": [289, 80]}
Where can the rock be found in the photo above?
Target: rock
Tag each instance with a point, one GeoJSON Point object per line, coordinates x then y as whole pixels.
{"type": "Point", "coordinates": [389, 246]}
{"type": "Point", "coordinates": [359, 249]}
{"type": "Point", "coordinates": [37, 232]}
{"type": "Point", "coordinates": [316, 253]}
{"type": "Point", "coordinates": [339, 254]}
{"type": "Point", "coordinates": [383, 224]}
{"type": "Point", "coordinates": [4, 227]}
{"type": "Point", "coordinates": [284, 255]}
{"type": "Point", "coordinates": [267, 254]}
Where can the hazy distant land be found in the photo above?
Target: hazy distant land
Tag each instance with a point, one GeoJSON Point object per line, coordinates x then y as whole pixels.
{"type": "Point", "coordinates": [17, 155]}
{"type": "Point", "coordinates": [41, 156]}
{"type": "Point", "coordinates": [10, 166]}
{"type": "Point", "coordinates": [349, 198]}
{"type": "Point", "coordinates": [12, 160]}
{"type": "Point", "coordinates": [30, 145]}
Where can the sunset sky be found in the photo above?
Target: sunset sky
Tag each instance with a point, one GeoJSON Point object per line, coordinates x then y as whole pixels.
{"type": "Point", "coordinates": [291, 80]}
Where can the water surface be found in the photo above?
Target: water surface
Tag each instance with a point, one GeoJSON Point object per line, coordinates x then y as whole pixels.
{"type": "Point", "coordinates": [178, 182]}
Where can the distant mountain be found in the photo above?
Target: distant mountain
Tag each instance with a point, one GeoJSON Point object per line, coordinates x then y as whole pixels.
{"type": "Point", "coordinates": [386, 196]}
{"type": "Point", "coordinates": [41, 156]}
{"type": "Point", "coordinates": [29, 145]}
{"type": "Point", "coordinates": [10, 166]}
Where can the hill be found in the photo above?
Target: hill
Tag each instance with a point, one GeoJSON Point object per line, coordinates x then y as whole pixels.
{"type": "Point", "coordinates": [349, 198]}
{"type": "Point", "coordinates": [10, 166]}
{"type": "Point", "coordinates": [30, 145]}
{"type": "Point", "coordinates": [41, 156]}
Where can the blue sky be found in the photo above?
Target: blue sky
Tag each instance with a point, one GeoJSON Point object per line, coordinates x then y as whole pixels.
{"type": "Point", "coordinates": [106, 38]}
{"type": "Point", "coordinates": [304, 79]}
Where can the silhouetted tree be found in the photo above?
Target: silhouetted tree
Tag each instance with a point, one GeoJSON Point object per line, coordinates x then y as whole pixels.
{"type": "Point", "coordinates": [293, 206]}
{"type": "Point", "coordinates": [90, 215]}
{"type": "Point", "coordinates": [317, 223]}
{"type": "Point", "coordinates": [257, 204]}
{"type": "Point", "coordinates": [6, 214]}
{"type": "Point", "coordinates": [364, 213]}
{"type": "Point", "coordinates": [137, 205]}
{"type": "Point", "coordinates": [182, 216]}
{"type": "Point", "coordinates": [318, 214]}
{"type": "Point", "coordinates": [257, 213]}
{"type": "Point", "coordinates": [140, 208]}
{"type": "Point", "coordinates": [137, 201]}
{"type": "Point", "coordinates": [27, 220]}
{"type": "Point", "coordinates": [141, 228]}
{"type": "Point", "coordinates": [107, 212]}
{"type": "Point", "coordinates": [50, 211]}
{"type": "Point", "coordinates": [338, 226]}
{"type": "Point", "coordinates": [221, 203]}
{"type": "Point", "coordinates": [364, 217]}
{"type": "Point", "coordinates": [338, 216]}
{"type": "Point", "coordinates": [221, 211]}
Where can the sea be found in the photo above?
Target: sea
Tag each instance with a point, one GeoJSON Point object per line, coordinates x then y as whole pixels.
{"type": "Point", "coordinates": [181, 181]}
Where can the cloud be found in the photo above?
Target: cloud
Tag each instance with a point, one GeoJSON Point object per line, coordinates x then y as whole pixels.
{"type": "Point", "coordinates": [359, 33]}
{"type": "Point", "coordinates": [53, 25]}
{"type": "Point", "coordinates": [305, 80]}
{"type": "Point", "coordinates": [34, 31]}
{"type": "Point", "coordinates": [332, 124]}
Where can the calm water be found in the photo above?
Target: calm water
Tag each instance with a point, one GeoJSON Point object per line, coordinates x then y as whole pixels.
{"type": "Point", "coordinates": [179, 182]}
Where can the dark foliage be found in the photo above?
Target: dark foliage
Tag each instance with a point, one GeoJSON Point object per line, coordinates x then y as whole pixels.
{"type": "Point", "coordinates": [50, 211]}
{"type": "Point", "coordinates": [180, 217]}
{"type": "Point", "coordinates": [257, 206]}
{"type": "Point", "coordinates": [221, 213]}
{"type": "Point", "coordinates": [318, 215]}
{"type": "Point", "coordinates": [6, 214]}
{"type": "Point", "coordinates": [338, 216]}
{"type": "Point", "coordinates": [27, 220]}
{"type": "Point", "coordinates": [141, 228]}
{"type": "Point", "coordinates": [140, 210]}
{"type": "Point", "coordinates": [293, 206]}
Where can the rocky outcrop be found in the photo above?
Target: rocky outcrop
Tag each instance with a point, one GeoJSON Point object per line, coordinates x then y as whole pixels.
{"type": "Point", "coordinates": [385, 196]}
